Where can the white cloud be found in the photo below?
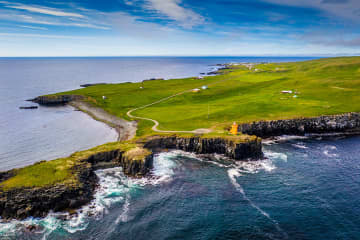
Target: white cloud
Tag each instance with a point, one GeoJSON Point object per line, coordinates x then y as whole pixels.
{"type": "Point", "coordinates": [12, 15]}
{"type": "Point", "coordinates": [29, 35]}
{"type": "Point", "coordinates": [173, 10]}
{"type": "Point", "coordinates": [42, 10]}
{"type": "Point", "coordinates": [33, 27]}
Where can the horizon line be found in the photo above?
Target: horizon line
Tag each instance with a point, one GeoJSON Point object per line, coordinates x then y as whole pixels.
{"type": "Point", "coordinates": [124, 56]}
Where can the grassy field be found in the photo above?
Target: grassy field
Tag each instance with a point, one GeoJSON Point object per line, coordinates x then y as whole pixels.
{"type": "Point", "coordinates": [324, 86]}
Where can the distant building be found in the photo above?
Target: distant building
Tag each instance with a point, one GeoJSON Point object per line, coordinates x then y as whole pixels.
{"type": "Point", "coordinates": [200, 77]}
{"type": "Point", "coordinates": [287, 91]}
{"type": "Point", "coordinates": [195, 90]}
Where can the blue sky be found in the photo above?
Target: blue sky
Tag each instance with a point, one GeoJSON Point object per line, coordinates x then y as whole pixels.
{"type": "Point", "coordinates": [179, 27]}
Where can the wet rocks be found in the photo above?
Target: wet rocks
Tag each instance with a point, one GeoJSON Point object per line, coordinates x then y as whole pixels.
{"type": "Point", "coordinates": [344, 123]}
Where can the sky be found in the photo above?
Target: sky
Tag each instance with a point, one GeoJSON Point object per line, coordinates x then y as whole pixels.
{"type": "Point", "coordinates": [179, 28]}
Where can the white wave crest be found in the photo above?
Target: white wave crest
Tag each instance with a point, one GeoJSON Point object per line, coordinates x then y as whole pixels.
{"type": "Point", "coordinates": [275, 156]}
{"type": "Point", "coordinates": [330, 151]}
{"type": "Point", "coordinates": [283, 138]}
{"type": "Point", "coordinates": [299, 145]}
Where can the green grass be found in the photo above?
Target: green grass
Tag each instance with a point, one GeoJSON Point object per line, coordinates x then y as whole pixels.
{"type": "Point", "coordinates": [325, 86]}
{"type": "Point", "coordinates": [57, 171]}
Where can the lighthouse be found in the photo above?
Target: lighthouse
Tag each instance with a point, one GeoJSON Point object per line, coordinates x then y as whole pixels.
{"type": "Point", "coordinates": [234, 129]}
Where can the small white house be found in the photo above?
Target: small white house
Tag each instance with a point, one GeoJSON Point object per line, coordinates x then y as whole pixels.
{"type": "Point", "coordinates": [200, 77]}
{"type": "Point", "coordinates": [287, 91]}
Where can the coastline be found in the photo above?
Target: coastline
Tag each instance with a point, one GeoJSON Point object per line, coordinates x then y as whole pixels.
{"type": "Point", "coordinates": [135, 154]}
{"type": "Point", "coordinates": [126, 130]}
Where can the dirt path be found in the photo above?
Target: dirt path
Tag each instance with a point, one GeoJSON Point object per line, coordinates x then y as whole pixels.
{"type": "Point", "coordinates": [156, 123]}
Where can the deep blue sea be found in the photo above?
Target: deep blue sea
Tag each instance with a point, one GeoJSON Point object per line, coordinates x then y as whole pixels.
{"type": "Point", "coordinates": [302, 189]}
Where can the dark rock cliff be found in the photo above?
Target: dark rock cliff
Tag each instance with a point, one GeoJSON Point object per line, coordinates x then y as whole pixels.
{"type": "Point", "coordinates": [344, 123]}
{"type": "Point", "coordinates": [248, 149]}
{"type": "Point", "coordinates": [56, 99]}
{"type": "Point", "coordinates": [21, 203]}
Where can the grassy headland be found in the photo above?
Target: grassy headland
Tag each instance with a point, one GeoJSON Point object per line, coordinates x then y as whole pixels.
{"type": "Point", "coordinates": [61, 170]}
{"type": "Point", "coordinates": [320, 87]}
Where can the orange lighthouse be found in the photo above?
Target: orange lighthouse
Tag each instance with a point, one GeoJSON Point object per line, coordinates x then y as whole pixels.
{"type": "Point", "coordinates": [234, 128]}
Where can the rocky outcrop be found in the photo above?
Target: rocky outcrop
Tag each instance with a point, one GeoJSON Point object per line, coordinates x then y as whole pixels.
{"type": "Point", "coordinates": [230, 147]}
{"type": "Point", "coordinates": [21, 203]}
{"type": "Point", "coordinates": [92, 84]}
{"type": "Point", "coordinates": [56, 99]}
{"type": "Point", "coordinates": [24, 202]}
{"type": "Point", "coordinates": [345, 123]}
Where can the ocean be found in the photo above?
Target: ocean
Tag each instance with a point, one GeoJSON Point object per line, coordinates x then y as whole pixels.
{"type": "Point", "coordinates": [303, 189]}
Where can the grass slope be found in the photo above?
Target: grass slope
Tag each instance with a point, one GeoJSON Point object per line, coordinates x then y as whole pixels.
{"type": "Point", "coordinates": [324, 86]}
{"type": "Point", "coordinates": [46, 173]}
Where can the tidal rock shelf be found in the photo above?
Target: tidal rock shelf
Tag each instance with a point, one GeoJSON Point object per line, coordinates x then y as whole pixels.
{"type": "Point", "coordinates": [345, 124]}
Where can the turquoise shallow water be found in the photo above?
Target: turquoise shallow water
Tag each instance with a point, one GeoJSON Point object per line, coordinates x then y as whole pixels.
{"type": "Point", "coordinates": [304, 189]}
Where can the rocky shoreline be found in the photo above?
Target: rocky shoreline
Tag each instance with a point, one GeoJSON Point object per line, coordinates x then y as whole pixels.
{"type": "Point", "coordinates": [342, 124]}
{"type": "Point", "coordinates": [20, 203]}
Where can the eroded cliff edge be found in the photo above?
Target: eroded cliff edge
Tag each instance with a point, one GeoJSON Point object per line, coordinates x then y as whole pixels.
{"type": "Point", "coordinates": [69, 183]}
{"type": "Point", "coordinates": [234, 147]}
{"type": "Point", "coordinates": [342, 124]}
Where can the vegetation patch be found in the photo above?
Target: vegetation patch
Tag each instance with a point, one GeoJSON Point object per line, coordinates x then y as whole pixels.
{"type": "Point", "coordinates": [61, 170]}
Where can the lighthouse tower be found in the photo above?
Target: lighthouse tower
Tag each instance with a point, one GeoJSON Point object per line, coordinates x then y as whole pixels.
{"type": "Point", "coordinates": [234, 129]}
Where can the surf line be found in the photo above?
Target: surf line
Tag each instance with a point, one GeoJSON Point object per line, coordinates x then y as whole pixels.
{"type": "Point", "coordinates": [233, 173]}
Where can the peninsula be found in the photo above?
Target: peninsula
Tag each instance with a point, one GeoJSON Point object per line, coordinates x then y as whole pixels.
{"type": "Point", "coordinates": [191, 114]}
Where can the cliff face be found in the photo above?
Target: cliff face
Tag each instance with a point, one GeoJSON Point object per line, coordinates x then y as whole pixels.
{"type": "Point", "coordinates": [345, 123]}
{"type": "Point", "coordinates": [56, 99]}
{"type": "Point", "coordinates": [250, 149]}
{"type": "Point", "coordinates": [21, 203]}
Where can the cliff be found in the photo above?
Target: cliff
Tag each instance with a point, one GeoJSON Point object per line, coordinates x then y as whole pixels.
{"type": "Point", "coordinates": [19, 198]}
{"type": "Point", "coordinates": [348, 123]}
{"type": "Point", "coordinates": [235, 147]}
